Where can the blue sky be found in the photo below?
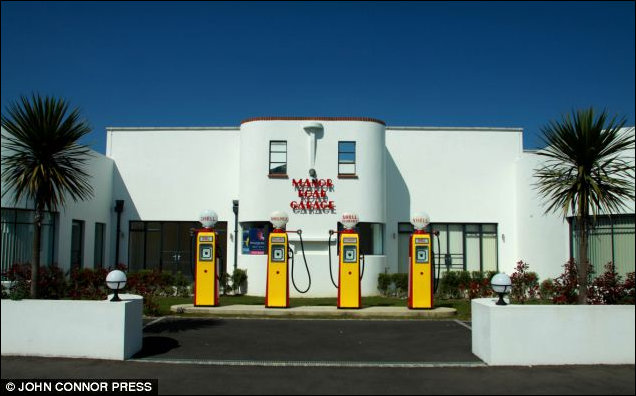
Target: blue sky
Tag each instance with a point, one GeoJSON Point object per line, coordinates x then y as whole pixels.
{"type": "Point", "coordinates": [215, 64]}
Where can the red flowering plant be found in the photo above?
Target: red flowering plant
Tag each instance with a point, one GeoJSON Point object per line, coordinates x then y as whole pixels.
{"type": "Point", "coordinates": [608, 288]}
{"type": "Point", "coordinates": [525, 284]}
{"type": "Point", "coordinates": [88, 284]}
{"type": "Point", "coordinates": [566, 285]}
{"type": "Point", "coordinates": [51, 281]}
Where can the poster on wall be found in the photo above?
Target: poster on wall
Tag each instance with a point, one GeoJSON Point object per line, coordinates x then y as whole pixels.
{"type": "Point", "coordinates": [254, 241]}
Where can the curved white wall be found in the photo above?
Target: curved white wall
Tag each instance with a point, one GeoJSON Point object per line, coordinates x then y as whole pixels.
{"type": "Point", "coordinates": [260, 195]}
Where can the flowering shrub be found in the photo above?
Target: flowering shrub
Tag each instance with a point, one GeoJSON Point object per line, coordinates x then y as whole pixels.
{"type": "Point", "coordinates": [88, 284]}
{"type": "Point", "coordinates": [51, 282]}
{"type": "Point", "coordinates": [566, 285]}
{"type": "Point", "coordinates": [546, 289]}
{"type": "Point", "coordinates": [525, 284]}
{"type": "Point", "coordinates": [609, 288]}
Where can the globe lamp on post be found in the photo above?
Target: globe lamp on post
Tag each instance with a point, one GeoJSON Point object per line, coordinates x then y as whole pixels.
{"type": "Point", "coordinates": [116, 280]}
{"type": "Point", "coordinates": [501, 284]}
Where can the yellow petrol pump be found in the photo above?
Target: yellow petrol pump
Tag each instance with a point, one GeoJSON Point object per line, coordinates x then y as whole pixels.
{"type": "Point", "coordinates": [278, 255]}
{"type": "Point", "coordinates": [206, 285]}
{"type": "Point", "coordinates": [421, 274]}
{"type": "Point", "coordinates": [349, 273]}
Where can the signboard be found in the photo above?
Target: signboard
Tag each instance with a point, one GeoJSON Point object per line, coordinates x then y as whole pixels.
{"type": "Point", "coordinates": [254, 241]}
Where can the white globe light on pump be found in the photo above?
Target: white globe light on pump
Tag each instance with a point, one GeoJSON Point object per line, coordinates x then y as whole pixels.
{"type": "Point", "coordinates": [420, 220]}
{"type": "Point", "coordinates": [349, 220]}
{"type": "Point", "coordinates": [116, 280]}
{"type": "Point", "coordinates": [279, 219]}
{"type": "Point", "coordinates": [501, 284]}
{"type": "Point", "coordinates": [208, 218]}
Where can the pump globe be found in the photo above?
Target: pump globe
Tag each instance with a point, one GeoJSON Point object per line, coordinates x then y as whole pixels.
{"type": "Point", "coordinates": [208, 218]}
{"type": "Point", "coordinates": [279, 219]}
{"type": "Point", "coordinates": [349, 220]}
{"type": "Point", "coordinates": [420, 220]}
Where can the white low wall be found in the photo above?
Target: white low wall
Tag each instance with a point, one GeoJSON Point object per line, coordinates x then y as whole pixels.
{"type": "Point", "coordinates": [552, 334]}
{"type": "Point", "coordinates": [72, 328]}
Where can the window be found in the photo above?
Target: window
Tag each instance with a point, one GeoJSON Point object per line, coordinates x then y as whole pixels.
{"type": "Point", "coordinates": [277, 157]}
{"type": "Point", "coordinates": [77, 244]}
{"type": "Point", "coordinates": [346, 158]}
{"type": "Point", "coordinates": [468, 247]}
{"type": "Point", "coordinates": [99, 245]}
{"type": "Point", "coordinates": [371, 238]}
{"type": "Point", "coordinates": [167, 245]}
{"type": "Point", "coordinates": [611, 240]}
{"type": "Point", "coordinates": [17, 237]}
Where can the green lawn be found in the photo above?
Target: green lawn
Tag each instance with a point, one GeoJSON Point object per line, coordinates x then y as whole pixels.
{"type": "Point", "coordinates": [462, 306]}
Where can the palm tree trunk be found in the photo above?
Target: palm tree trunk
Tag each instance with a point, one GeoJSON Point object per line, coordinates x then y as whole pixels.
{"type": "Point", "coordinates": [37, 241]}
{"type": "Point", "coordinates": [583, 266]}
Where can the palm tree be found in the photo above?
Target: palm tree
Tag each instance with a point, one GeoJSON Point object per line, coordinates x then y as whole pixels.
{"type": "Point", "coordinates": [43, 161]}
{"type": "Point", "coordinates": [585, 171]}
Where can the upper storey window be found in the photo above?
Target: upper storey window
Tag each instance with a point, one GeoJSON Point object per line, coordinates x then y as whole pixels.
{"type": "Point", "coordinates": [278, 157]}
{"type": "Point", "coordinates": [346, 158]}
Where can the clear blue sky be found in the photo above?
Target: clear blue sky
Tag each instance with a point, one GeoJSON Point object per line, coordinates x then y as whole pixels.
{"type": "Point", "coordinates": [215, 64]}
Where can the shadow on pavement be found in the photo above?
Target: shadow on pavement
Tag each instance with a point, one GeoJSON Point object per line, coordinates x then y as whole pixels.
{"type": "Point", "coordinates": [156, 346]}
{"type": "Point", "coordinates": [173, 325]}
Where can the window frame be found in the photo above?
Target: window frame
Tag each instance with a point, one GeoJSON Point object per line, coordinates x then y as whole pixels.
{"type": "Point", "coordinates": [271, 163]}
{"type": "Point", "coordinates": [341, 162]}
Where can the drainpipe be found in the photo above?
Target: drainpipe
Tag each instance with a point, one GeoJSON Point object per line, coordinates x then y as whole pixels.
{"type": "Point", "coordinates": [235, 209]}
{"type": "Point", "coordinates": [119, 207]}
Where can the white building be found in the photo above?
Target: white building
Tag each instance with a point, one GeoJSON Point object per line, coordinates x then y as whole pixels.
{"type": "Point", "coordinates": [475, 183]}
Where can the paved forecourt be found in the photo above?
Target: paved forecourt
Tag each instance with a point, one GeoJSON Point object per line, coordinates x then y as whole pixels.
{"type": "Point", "coordinates": [318, 311]}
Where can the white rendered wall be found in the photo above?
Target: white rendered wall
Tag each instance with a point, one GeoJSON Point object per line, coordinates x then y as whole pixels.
{"type": "Point", "coordinates": [261, 195]}
{"type": "Point", "coordinates": [456, 175]}
{"type": "Point", "coordinates": [518, 334]}
{"type": "Point", "coordinates": [172, 174]}
{"type": "Point", "coordinates": [71, 328]}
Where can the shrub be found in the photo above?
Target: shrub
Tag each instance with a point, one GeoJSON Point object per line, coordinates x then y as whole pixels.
{"type": "Point", "coordinates": [51, 282]}
{"type": "Point", "coordinates": [566, 285]}
{"type": "Point", "coordinates": [525, 284]}
{"type": "Point", "coordinates": [609, 288]}
{"type": "Point", "coordinates": [401, 282]}
{"type": "Point", "coordinates": [88, 284]}
{"type": "Point", "coordinates": [239, 278]}
{"type": "Point", "coordinates": [384, 281]}
{"type": "Point", "coordinates": [628, 287]}
{"type": "Point", "coordinates": [546, 289]}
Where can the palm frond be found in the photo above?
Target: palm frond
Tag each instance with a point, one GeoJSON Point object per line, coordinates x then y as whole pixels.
{"type": "Point", "coordinates": [586, 161]}
{"type": "Point", "coordinates": [44, 161]}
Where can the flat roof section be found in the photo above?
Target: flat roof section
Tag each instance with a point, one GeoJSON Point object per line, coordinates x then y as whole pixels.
{"type": "Point", "coordinates": [367, 119]}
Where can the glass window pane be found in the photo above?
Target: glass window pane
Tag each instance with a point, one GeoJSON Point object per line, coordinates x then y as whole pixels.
{"type": "Point", "coordinates": [278, 157]}
{"type": "Point", "coordinates": [347, 147]}
{"type": "Point", "coordinates": [346, 169]}
{"type": "Point", "coordinates": [347, 157]}
{"type": "Point", "coordinates": [99, 245]}
{"type": "Point", "coordinates": [278, 146]}
{"type": "Point", "coordinates": [137, 225]}
{"type": "Point", "coordinates": [489, 252]}
{"type": "Point", "coordinates": [24, 216]}
{"type": "Point", "coordinates": [153, 246]}
{"type": "Point", "coordinates": [472, 252]}
{"type": "Point", "coordinates": [276, 168]}
{"type": "Point", "coordinates": [136, 251]}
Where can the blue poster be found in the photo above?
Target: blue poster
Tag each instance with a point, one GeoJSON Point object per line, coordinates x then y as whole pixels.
{"type": "Point", "coordinates": [245, 247]}
{"type": "Point", "coordinates": [257, 241]}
